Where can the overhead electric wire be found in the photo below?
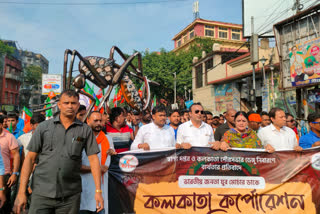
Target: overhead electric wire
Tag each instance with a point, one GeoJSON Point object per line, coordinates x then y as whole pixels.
{"type": "Point", "coordinates": [274, 9]}
{"type": "Point", "coordinates": [270, 19]}
{"type": "Point", "coordinates": [90, 3]}
{"type": "Point", "coordinates": [313, 4]}
{"type": "Point", "coordinates": [273, 20]}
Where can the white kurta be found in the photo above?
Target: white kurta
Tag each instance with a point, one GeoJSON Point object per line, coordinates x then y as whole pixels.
{"type": "Point", "coordinates": [24, 140]}
{"type": "Point", "coordinates": [88, 201]}
{"type": "Point", "coordinates": [156, 137]}
{"type": "Point", "coordinates": [188, 133]}
{"type": "Point", "coordinates": [285, 139]}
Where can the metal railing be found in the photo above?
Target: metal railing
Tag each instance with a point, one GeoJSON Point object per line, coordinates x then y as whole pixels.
{"type": "Point", "coordinates": [13, 76]}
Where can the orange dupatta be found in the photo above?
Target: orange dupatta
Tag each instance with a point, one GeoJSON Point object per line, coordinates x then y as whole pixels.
{"type": "Point", "coordinates": [105, 145]}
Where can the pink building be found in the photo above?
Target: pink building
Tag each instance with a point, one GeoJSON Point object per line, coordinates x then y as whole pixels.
{"type": "Point", "coordinates": [228, 35]}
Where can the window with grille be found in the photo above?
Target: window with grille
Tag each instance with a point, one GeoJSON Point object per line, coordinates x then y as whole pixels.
{"type": "Point", "coordinates": [199, 76]}
{"type": "Point", "coordinates": [209, 30]}
{"type": "Point", "coordinates": [236, 34]}
{"type": "Point", "coordinates": [223, 32]}
{"type": "Point", "coordinates": [185, 38]}
{"type": "Point", "coordinates": [179, 43]}
{"type": "Point", "coordinates": [191, 34]}
{"type": "Point", "coordinates": [209, 64]}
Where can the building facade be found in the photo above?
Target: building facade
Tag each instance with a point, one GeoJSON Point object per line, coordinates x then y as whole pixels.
{"type": "Point", "coordinates": [29, 58]}
{"type": "Point", "coordinates": [226, 83]}
{"type": "Point", "coordinates": [298, 45]}
{"type": "Point", "coordinates": [227, 34]}
{"type": "Point", "coordinates": [11, 78]}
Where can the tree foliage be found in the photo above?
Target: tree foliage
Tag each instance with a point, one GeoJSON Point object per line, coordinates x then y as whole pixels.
{"type": "Point", "coordinates": [160, 66]}
{"type": "Point", "coordinates": [33, 75]}
{"type": "Point", "coordinates": [5, 49]}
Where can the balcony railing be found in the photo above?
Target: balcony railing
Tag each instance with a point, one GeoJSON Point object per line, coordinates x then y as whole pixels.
{"type": "Point", "coordinates": [13, 76]}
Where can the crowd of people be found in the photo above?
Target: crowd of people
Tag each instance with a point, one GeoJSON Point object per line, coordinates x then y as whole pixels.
{"type": "Point", "coordinates": [63, 161]}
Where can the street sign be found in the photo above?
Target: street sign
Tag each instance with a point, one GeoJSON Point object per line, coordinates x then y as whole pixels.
{"type": "Point", "coordinates": [51, 82]}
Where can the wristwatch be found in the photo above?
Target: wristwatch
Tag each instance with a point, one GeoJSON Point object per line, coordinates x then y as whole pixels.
{"type": "Point", "coordinates": [16, 173]}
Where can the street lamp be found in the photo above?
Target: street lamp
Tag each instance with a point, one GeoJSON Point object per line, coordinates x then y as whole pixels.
{"type": "Point", "coordinates": [175, 87]}
{"type": "Point", "coordinates": [272, 84]}
{"type": "Point", "coordinates": [185, 92]}
{"type": "Point", "coordinates": [189, 93]}
{"type": "Point", "coordinates": [263, 61]}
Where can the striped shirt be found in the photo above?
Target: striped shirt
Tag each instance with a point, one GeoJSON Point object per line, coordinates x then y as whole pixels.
{"type": "Point", "coordinates": [121, 139]}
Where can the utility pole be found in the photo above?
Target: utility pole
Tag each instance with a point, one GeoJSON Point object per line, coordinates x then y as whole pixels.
{"type": "Point", "coordinates": [254, 52]}
{"type": "Point", "coordinates": [175, 87]}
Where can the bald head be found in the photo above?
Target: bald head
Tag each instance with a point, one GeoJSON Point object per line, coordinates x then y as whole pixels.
{"type": "Point", "coordinates": [230, 116]}
{"type": "Point", "coordinates": [94, 120]}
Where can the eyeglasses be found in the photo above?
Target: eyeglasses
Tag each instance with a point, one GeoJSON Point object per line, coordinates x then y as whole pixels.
{"type": "Point", "coordinates": [290, 121]}
{"type": "Point", "coordinates": [315, 122]}
{"type": "Point", "coordinates": [197, 112]}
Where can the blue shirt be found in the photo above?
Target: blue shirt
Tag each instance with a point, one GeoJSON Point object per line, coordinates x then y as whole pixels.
{"type": "Point", "coordinates": [17, 133]}
{"type": "Point", "coordinates": [2, 170]}
{"type": "Point", "coordinates": [20, 124]}
{"type": "Point", "coordinates": [175, 131]}
{"type": "Point", "coordinates": [306, 141]}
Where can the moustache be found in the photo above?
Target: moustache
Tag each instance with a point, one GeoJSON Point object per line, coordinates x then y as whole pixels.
{"type": "Point", "coordinates": [97, 127]}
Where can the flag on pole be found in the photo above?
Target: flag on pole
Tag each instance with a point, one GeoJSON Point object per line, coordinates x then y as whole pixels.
{"type": "Point", "coordinates": [154, 101]}
{"type": "Point", "coordinates": [10, 128]}
{"type": "Point", "coordinates": [91, 92]}
{"type": "Point", "coordinates": [117, 96]}
{"type": "Point", "coordinates": [26, 115]}
{"type": "Point", "coordinates": [100, 94]}
{"type": "Point", "coordinates": [49, 113]}
{"type": "Point", "coordinates": [140, 91]}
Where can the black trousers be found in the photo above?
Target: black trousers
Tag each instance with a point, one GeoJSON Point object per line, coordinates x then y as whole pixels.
{"type": "Point", "coordinates": [44, 205]}
{"type": "Point", "coordinates": [7, 207]}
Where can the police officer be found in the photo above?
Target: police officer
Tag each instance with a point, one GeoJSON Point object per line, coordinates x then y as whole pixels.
{"type": "Point", "coordinates": [58, 143]}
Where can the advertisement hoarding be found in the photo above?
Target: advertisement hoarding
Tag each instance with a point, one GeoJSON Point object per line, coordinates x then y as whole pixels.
{"type": "Point", "coordinates": [51, 82]}
{"type": "Point", "coordinates": [305, 62]}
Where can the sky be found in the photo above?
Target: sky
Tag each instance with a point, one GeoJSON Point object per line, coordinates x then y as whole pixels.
{"type": "Point", "coordinates": [94, 29]}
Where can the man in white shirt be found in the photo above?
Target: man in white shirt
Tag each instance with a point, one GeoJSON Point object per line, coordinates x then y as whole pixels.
{"type": "Point", "coordinates": [105, 143]}
{"type": "Point", "coordinates": [277, 136]}
{"type": "Point", "coordinates": [195, 132]}
{"type": "Point", "coordinates": [156, 134]}
{"type": "Point", "coordinates": [24, 139]}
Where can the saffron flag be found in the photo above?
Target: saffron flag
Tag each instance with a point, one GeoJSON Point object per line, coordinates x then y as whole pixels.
{"type": "Point", "coordinates": [117, 96]}
{"type": "Point", "coordinates": [100, 93]}
{"type": "Point", "coordinates": [141, 90]}
{"type": "Point", "coordinates": [26, 115]}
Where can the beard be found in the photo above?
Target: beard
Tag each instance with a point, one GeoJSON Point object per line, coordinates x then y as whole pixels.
{"type": "Point", "coordinates": [97, 128]}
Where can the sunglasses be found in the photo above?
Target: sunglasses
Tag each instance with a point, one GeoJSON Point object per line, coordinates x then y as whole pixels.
{"type": "Point", "coordinates": [290, 121]}
{"type": "Point", "coordinates": [197, 112]}
{"type": "Point", "coordinates": [315, 122]}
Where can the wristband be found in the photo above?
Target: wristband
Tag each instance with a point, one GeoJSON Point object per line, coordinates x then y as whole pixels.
{"type": "Point", "coordinates": [139, 146]}
{"type": "Point", "coordinates": [99, 190]}
{"type": "Point", "coordinates": [15, 173]}
{"type": "Point", "coordinates": [2, 188]}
